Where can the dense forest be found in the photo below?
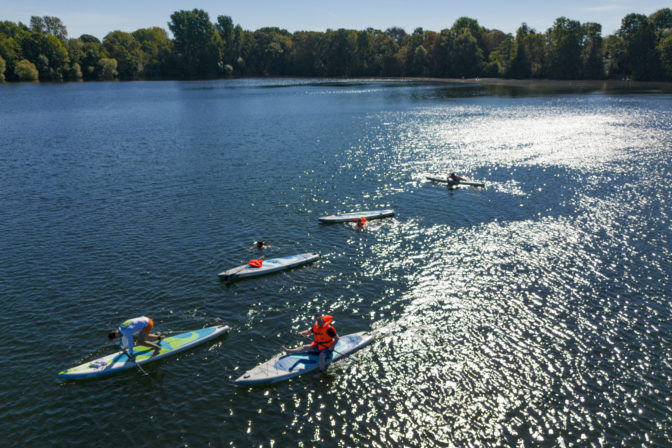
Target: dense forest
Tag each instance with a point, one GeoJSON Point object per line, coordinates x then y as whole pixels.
{"type": "Point", "coordinates": [640, 50]}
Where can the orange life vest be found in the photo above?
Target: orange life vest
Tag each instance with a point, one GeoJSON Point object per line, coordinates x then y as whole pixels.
{"type": "Point", "coordinates": [256, 263]}
{"type": "Point", "coordinates": [361, 222]}
{"type": "Point", "coordinates": [321, 338]}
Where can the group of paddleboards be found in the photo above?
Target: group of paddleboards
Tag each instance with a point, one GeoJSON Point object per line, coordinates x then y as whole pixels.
{"type": "Point", "coordinates": [280, 367]}
{"type": "Point", "coordinates": [259, 267]}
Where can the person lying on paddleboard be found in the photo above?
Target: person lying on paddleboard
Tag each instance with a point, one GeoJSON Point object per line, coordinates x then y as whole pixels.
{"type": "Point", "coordinates": [325, 338]}
{"type": "Point", "coordinates": [454, 178]}
{"type": "Point", "coordinates": [141, 325]}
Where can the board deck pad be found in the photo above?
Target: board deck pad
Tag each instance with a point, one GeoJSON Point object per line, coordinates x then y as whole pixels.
{"type": "Point", "coordinates": [119, 361]}
{"type": "Point", "coordinates": [268, 266]}
{"type": "Point", "coordinates": [282, 367]}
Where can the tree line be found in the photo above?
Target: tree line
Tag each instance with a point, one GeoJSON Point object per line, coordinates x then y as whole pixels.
{"type": "Point", "coordinates": [200, 49]}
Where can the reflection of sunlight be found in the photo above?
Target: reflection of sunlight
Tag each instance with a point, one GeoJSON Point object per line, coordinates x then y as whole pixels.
{"type": "Point", "coordinates": [492, 308]}
{"type": "Point", "coordinates": [486, 316]}
{"type": "Point", "coordinates": [464, 138]}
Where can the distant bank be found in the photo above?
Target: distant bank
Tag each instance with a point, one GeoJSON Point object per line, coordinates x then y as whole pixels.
{"type": "Point", "coordinates": [554, 84]}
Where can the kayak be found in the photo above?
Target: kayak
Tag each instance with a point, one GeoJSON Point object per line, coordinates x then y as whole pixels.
{"type": "Point", "coordinates": [268, 266]}
{"type": "Point", "coordinates": [119, 361]}
{"type": "Point", "coordinates": [354, 216]}
{"type": "Point", "coordinates": [282, 367]}
{"type": "Point", "coordinates": [453, 183]}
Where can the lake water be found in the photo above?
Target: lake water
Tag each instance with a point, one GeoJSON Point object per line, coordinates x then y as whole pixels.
{"type": "Point", "coordinates": [533, 312]}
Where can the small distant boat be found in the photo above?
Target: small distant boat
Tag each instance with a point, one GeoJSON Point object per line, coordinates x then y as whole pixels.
{"type": "Point", "coordinates": [354, 216]}
{"type": "Point", "coordinates": [453, 183]}
{"type": "Point", "coordinates": [268, 266]}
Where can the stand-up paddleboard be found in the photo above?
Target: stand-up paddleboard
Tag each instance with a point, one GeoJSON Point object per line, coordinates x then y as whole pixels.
{"type": "Point", "coordinates": [282, 367]}
{"type": "Point", "coordinates": [268, 266]}
{"type": "Point", "coordinates": [354, 216]}
{"type": "Point", "coordinates": [453, 183]}
{"type": "Point", "coordinates": [119, 361]}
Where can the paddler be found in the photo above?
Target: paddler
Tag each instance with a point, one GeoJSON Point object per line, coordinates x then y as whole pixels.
{"type": "Point", "coordinates": [325, 338]}
{"type": "Point", "coordinates": [259, 245]}
{"type": "Point", "coordinates": [454, 178]}
{"type": "Point", "coordinates": [142, 326]}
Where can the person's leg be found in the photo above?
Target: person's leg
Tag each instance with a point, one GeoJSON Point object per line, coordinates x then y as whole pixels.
{"type": "Point", "coordinates": [322, 360]}
{"type": "Point", "coordinates": [144, 336]}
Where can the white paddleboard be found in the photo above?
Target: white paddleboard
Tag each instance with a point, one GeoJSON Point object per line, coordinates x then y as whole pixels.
{"type": "Point", "coordinates": [268, 266]}
{"type": "Point", "coordinates": [119, 361]}
{"type": "Point", "coordinates": [354, 216]}
{"type": "Point", "coordinates": [282, 367]}
{"type": "Point", "coordinates": [453, 183]}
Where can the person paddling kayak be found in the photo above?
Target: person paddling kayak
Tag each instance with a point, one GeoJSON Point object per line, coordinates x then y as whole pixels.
{"type": "Point", "coordinates": [325, 338]}
{"type": "Point", "coordinates": [454, 178]}
{"type": "Point", "coordinates": [124, 334]}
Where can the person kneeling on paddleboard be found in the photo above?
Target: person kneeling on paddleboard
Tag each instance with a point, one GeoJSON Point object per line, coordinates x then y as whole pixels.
{"type": "Point", "coordinates": [141, 325]}
{"type": "Point", "coordinates": [325, 338]}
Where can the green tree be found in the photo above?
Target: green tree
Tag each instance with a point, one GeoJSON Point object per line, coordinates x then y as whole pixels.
{"type": "Point", "coordinates": [364, 54]}
{"type": "Point", "coordinates": [306, 57]}
{"type": "Point", "coordinates": [592, 52]}
{"type": "Point", "coordinates": [196, 42]}
{"type": "Point", "coordinates": [521, 66]}
{"type": "Point", "coordinates": [3, 67]}
{"type": "Point", "coordinates": [107, 69]}
{"type": "Point", "coordinates": [468, 57]}
{"type": "Point", "coordinates": [272, 52]}
{"type": "Point", "coordinates": [10, 51]}
{"type": "Point", "coordinates": [26, 71]}
{"type": "Point", "coordinates": [155, 52]}
{"type": "Point", "coordinates": [419, 65]}
{"type": "Point", "coordinates": [615, 57]}
{"type": "Point", "coordinates": [396, 33]}
{"type": "Point", "coordinates": [385, 62]}
{"type": "Point", "coordinates": [456, 53]}
{"type": "Point", "coordinates": [499, 61]}
{"type": "Point", "coordinates": [74, 73]}
{"type": "Point", "coordinates": [341, 52]}
{"type": "Point", "coordinates": [87, 51]}
{"type": "Point", "coordinates": [227, 33]}
{"type": "Point", "coordinates": [49, 25]}
{"type": "Point", "coordinates": [126, 50]}
{"type": "Point", "coordinates": [662, 21]}
{"type": "Point", "coordinates": [89, 39]}
{"type": "Point", "coordinates": [492, 39]}
{"type": "Point", "coordinates": [641, 58]}
{"type": "Point", "coordinates": [564, 49]}
{"type": "Point", "coordinates": [665, 49]}
{"type": "Point", "coordinates": [11, 29]}
{"type": "Point", "coordinates": [47, 52]}
{"type": "Point", "coordinates": [441, 53]}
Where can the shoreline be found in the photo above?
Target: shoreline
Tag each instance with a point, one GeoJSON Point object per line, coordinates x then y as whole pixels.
{"type": "Point", "coordinates": [550, 83]}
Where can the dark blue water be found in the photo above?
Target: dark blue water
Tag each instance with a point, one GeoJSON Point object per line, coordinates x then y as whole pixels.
{"type": "Point", "coordinates": [533, 312]}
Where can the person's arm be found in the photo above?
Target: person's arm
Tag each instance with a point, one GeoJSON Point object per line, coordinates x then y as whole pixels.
{"type": "Point", "coordinates": [306, 333]}
{"type": "Point", "coordinates": [335, 336]}
{"type": "Point", "coordinates": [302, 348]}
{"type": "Point", "coordinates": [152, 345]}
